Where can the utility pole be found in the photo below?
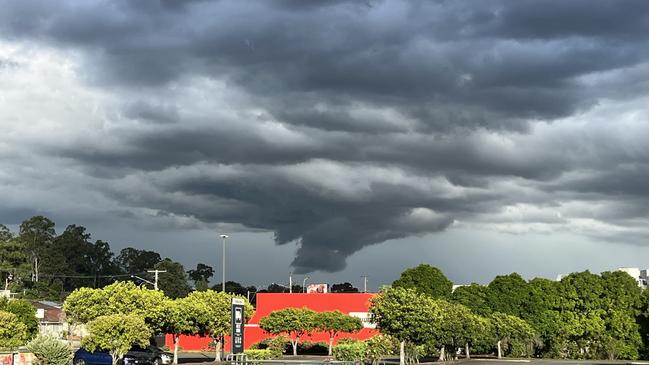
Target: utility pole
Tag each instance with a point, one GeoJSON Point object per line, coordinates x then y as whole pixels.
{"type": "Point", "coordinates": [364, 283]}
{"type": "Point", "coordinates": [290, 282]}
{"type": "Point", "coordinates": [156, 272]}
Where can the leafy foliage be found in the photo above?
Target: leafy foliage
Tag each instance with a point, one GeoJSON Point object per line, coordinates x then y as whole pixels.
{"type": "Point", "coordinates": [294, 322]}
{"type": "Point", "coordinates": [426, 280]}
{"type": "Point", "coordinates": [355, 351]}
{"type": "Point", "coordinates": [116, 333]}
{"type": "Point", "coordinates": [13, 332]}
{"type": "Point", "coordinates": [24, 311]}
{"type": "Point", "coordinates": [334, 323]}
{"type": "Point", "coordinates": [259, 354]}
{"type": "Point", "coordinates": [49, 350]}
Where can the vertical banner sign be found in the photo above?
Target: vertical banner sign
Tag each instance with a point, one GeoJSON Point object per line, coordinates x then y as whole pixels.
{"type": "Point", "coordinates": [237, 325]}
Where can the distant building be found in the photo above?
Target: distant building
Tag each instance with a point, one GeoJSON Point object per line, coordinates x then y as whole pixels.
{"type": "Point", "coordinates": [51, 318]}
{"type": "Point", "coordinates": [639, 275]}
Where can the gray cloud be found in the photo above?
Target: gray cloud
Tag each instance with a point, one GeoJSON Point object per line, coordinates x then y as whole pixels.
{"type": "Point", "coordinates": [341, 124]}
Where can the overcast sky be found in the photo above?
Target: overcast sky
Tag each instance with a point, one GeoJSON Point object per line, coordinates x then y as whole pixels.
{"type": "Point", "coordinates": [334, 138]}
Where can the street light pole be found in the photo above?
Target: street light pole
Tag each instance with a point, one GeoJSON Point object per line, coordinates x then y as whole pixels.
{"type": "Point", "coordinates": [364, 283]}
{"type": "Point", "coordinates": [223, 237]}
{"type": "Point", "coordinates": [290, 282]}
{"type": "Point", "coordinates": [304, 284]}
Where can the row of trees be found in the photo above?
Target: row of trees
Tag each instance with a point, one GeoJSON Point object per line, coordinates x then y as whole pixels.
{"type": "Point", "coordinates": [298, 322]}
{"type": "Point", "coordinates": [46, 265]}
{"type": "Point", "coordinates": [123, 314]}
{"type": "Point", "coordinates": [583, 316]}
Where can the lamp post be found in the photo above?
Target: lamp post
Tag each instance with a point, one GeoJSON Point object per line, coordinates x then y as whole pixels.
{"type": "Point", "coordinates": [223, 237]}
{"type": "Point", "coordinates": [304, 284]}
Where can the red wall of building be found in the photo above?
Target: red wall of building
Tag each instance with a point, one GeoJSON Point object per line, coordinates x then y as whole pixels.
{"type": "Point", "coordinates": [269, 302]}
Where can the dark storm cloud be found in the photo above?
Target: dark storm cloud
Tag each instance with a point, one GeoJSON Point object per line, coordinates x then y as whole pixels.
{"type": "Point", "coordinates": [362, 121]}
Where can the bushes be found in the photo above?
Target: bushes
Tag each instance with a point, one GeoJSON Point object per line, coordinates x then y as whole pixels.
{"type": "Point", "coordinates": [350, 351]}
{"type": "Point", "coordinates": [379, 347]}
{"type": "Point", "coordinates": [277, 345]}
{"type": "Point", "coordinates": [50, 351]}
{"type": "Point", "coordinates": [258, 354]}
{"type": "Point", "coordinates": [13, 332]}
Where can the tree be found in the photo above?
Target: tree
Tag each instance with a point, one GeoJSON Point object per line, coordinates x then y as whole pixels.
{"type": "Point", "coordinates": [233, 287]}
{"type": "Point", "coordinates": [212, 314]}
{"type": "Point", "coordinates": [116, 333]}
{"type": "Point", "coordinates": [24, 311]}
{"type": "Point", "coordinates": [14, 262]}
{"type": "Point", "coordinates": [343, 288]}
{"type": "Point", "coordinates": [426, 280]}
{"type": "Point", "coordinates": [201, 273]}
{"type": "Point", "coordinates": [508, 294]}
{"type": "Point", "coordinates": [294, 322]}
{"type": "Point", "coordinates": [473, 296]}
{"type": "Point", "coordinates": [512, 333]}
{"type": "Point", "coordinates": [174, 282]}
{"type": "Point", "coordinates": [37, 233]}
{"type": "Point", "coordinates": [180, 319]}
{"type": "Point", "coordinates": [336, 322]}
{"type": "Point", "coordinates": [406, 315]}
{"type": "Point", "coordinates": [13, 332]}
{"type": "Point", "coordinates": [133, 261]}
{"type": "Point", "coordinates": [85, 304]}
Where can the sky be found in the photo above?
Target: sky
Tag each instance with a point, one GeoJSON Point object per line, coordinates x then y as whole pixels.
{"type": "Point", "coordinates": [335, 138]}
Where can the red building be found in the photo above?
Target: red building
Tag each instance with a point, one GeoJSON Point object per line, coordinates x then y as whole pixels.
{"type": "Point", "coordinates": [354, 304]}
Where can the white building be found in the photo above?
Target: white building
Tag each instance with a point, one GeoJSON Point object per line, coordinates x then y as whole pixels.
{"type": "Point", "coordinates": [639, 275]}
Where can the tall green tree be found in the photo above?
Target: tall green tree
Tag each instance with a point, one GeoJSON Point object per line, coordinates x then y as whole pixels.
{"type": "Point", "coordinates": [294, 322]}
{"type": "Point", "coordinates": [426, 280]}
{"type": "Point", "coordinates": [407, 315]}
{"type": "Point", "coordinates": [343, 288]}
{"type": "Point", "coordinates": [37, 233]}
{"type": "Point", "coordinates": [511, 334]}
{"type": "Point", "coordinates": [15, 267]}
{"type": "Point", "coordinates": [201, 273]}
{"type": "Point", "coordinates": [180, 319]}
{"type": "Point", "coordinates": [508, 294]}
{"type": "Point", "coordinates": [174, 281]}
{"type": "Point", "coordinates": [134, 261]}
{"type": "Point", "coordinates": [473, 296]}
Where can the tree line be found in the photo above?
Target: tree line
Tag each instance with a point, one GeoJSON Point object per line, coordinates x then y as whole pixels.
{"type": "Point", "coordinates": [38, 263]}
{"type": "Point", "coordinates": [583, 316]}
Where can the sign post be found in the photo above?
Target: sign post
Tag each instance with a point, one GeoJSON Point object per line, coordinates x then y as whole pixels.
{"type": "Point", "coordinates": [237, 325]}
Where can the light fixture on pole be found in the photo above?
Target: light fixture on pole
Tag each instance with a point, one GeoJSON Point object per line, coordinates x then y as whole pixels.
{"type": "Point", "coordinates": [304, 283]}
{"type": "Point", "coordinates": [223, 237]}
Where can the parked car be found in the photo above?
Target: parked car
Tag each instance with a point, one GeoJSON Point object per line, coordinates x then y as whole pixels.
{"type": "Point", "coordinates": [85, 357]}
{"type": "Point", "coordinates": [153, 354]}
{"type": "Point", "coordinates": [137, 355]}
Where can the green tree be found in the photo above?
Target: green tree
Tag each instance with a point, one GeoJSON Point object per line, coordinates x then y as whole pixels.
{"type": "Point", "coordinates": [37, 233]}
{"type": "Point", "coordinates": [508, 294]}
{"type": "Point", "coordinates": [201, 273]}
{"type": "Point", "coordinates": [212, 314]}
{"type": "Point", "coordinates": [173, 282]}
{"type": "Point", "coordinates": [13, 332]}
{"type": "Point", "coordinates": [180, 319]}
{"type": "Point", "coordinates": [407, 315]}
{"type": "Point", "coordinates": [473, 296]}
{"type": "Point", "coordinates": [426, 280]}
{"type": "Point", "coordinates": [85, 304]}
{"type": "Point", "coordinates": [511, 333]}
{"type": "Point", "coordinates": [336, 322]}
{"type": "Point", "coordinates": [294, 322]}
{"type": "Point", "coordinates": [116, 333]}
{"type": "Point", "coordinates": [133, 261]}
{"type": "Point", "coordinates": [343, 288]}
{"type": "Point", "coordinates": [14, 261]}
{"type": "Point", "coordinates": [24, 311]}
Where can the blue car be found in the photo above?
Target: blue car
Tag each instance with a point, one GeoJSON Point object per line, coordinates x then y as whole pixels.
{"type": "Point", "coordinates": [84, 357]}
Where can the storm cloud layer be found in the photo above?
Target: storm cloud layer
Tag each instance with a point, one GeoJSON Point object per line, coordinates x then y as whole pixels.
{"type": "Point", "coordinates": [334, 124]}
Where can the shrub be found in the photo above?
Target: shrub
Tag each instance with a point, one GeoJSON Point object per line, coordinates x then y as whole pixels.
{"type": "Point", "coordinates": [350, 351]}
{"type": "Point", "coordinates": [50, 351]}
{"type": "Point", "coordinates": [264, 354]}
{"type": "Point", "coordinates": [379, 347]}
{"type": "Point", "coordinates": [278, 345]}
{"type": "Point", "coordinates": [13, 333]}
{"type": "Point", "coordinates": [346, 341]}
